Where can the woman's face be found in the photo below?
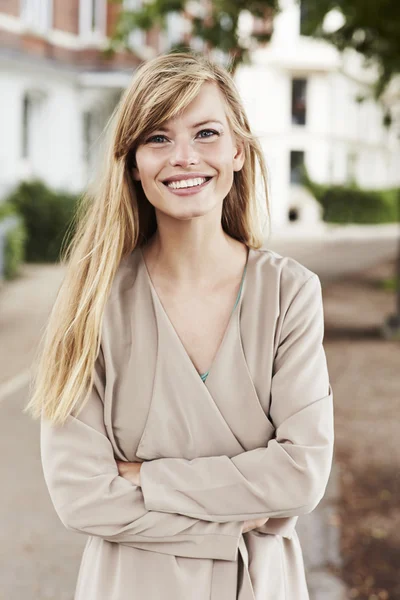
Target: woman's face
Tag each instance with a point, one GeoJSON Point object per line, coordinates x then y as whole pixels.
{"type": "Point", "coordinates": [197, 149]}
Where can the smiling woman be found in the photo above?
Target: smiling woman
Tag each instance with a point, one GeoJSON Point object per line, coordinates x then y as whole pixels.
{"type": "Point", "coordinates": [176, 151]}
{"type": "Point", "coordinates": [183, 392]}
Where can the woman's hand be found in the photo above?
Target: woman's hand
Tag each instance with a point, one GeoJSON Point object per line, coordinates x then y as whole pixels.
{"type": "Point", "coordinates": [129, 471]}
{"type": "Point", "coordinates": [253, 524]}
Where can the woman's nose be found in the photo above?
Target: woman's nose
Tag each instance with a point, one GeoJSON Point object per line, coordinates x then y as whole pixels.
{"type": "Point", "coordinates": [183, 154]}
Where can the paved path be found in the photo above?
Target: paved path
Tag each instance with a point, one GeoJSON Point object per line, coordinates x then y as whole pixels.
{"type": "Point", "coordinates": [25, 304]}
{"type": "Point", "coordinates": [39, 559]}
{"type": "Point", "coordinates": [334, 252]}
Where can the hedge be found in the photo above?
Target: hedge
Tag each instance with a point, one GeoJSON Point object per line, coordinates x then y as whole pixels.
{"type": "Point", "coordinates": [48, 218]}
{"type": "Point", "coordinates": [14, 250]}
{"type": "Point", "coordinates": [350, 204]}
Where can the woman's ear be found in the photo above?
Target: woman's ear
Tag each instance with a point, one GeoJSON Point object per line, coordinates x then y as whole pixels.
{"type": "Point", "coordinates": [238, 157]}
{"type": "Point", "coordinates": [135, 173]}
{"type": "Point", "coordinates": [134, 169]}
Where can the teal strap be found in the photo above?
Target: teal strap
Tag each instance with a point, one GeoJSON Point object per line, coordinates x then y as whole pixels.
{"type": "Point", "coordinates": [204, 375]}
{"type": "Point", "coordinates": [240, 289]}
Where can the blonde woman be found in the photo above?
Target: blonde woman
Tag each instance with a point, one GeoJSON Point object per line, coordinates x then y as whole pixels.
{"type": "Point", "coordinates": [185, 404]}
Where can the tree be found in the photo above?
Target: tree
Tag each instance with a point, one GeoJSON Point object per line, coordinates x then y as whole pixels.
{"type": "Point", "coordinates": [372, 28]}
{"type": "Point", "coordinates": [215, 23]}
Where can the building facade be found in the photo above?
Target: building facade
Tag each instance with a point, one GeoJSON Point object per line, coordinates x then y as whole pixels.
{"type": "Point", "coordinates": [57, 88]}
{"type": "Point", "coordinates": [311, 105]}
{"type": "Point", "coordinates": [308, 104]}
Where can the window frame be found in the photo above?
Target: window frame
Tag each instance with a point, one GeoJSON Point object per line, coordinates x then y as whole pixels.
{"type": "Point", "coordinates": [292, 168]}
{"type": "Point", "coordinates": [297, 116]}
{"type": "Point", "coordinates": [92, 19]}
{"type": "Point", "coordinates": [37, 15]}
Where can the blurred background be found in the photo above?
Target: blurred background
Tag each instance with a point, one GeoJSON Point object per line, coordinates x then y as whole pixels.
{"type": "Point", "coordinates": [321, 87]}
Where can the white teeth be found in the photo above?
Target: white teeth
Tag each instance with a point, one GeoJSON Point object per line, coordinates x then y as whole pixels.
{"type": "Point", "coordinates": [184, 183]}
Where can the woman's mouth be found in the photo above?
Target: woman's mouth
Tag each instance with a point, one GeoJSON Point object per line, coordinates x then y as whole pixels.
{"type": "Point", "coordinates": [187, 187]}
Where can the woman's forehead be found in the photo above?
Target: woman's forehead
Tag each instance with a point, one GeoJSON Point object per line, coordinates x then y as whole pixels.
{"type": "Point", "coordinates": [191, 123]}
{"type": "Point", "coordinates": [208, 105]}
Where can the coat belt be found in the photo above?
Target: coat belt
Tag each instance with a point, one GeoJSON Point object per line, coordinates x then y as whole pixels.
{"type": "Point", "coordinates": [225, 581]}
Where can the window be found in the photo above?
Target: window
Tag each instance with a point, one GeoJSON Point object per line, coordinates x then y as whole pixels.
{"type": "Point", "coordinates": [299, 101]}
{"type": "Point", "coordinates": [296, 166]}
{"type": "Point", "coordinates": [37, 14]}
{"type": "Point", "coordinates": [303, 17]}
{"type": "Point", "coordinates": [351, 166]}
{"type": "Point", "coordinates": [94, 118]}
{"type": "Point", "coordinates": [33, 126]}
{"type": "Point", "coordinates": [26, 111]}
{"type": "Point", "coordinates": [91, 132]}
{"type": "Point", "coordinates": [92, 17]}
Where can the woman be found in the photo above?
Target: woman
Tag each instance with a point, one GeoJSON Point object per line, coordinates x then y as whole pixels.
{"type": "Point", "coordinates": [186, 411]}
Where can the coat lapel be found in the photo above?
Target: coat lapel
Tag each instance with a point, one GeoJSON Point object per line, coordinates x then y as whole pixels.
{"type": "Point", "coordinates": [183, 419]}
{"type": "Point", "coordinates": [164, 315]}
{"type": "Point", "coordinates": [188, 418]}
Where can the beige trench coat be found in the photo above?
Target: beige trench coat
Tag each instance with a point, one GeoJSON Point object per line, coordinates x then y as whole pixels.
{"type": "Point", "coordinates": [255, 440]}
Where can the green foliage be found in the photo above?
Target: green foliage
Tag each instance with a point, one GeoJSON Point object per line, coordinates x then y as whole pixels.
{"type": "Point", "coordinates": [14, 250]}
{"type": "Point", "coordinates": [350, 204]}
{"type": "Point", "coordinates": [317, 189]}
{"type": "Point", "coordinates": [6, 209]}
{"type": "Point", "coordinates": [390, 284]}
{"type": "Point", "coordinates": [218, 28]}
{"type": "Point", "coordinates": [371, 27]}
{"type": "Point", "coordinates": [48, 218]}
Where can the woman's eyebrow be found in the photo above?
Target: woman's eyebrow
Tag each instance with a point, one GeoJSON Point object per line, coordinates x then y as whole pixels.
{"type": "Point", "coordinates": [164, 128]}
{"type": "Point", "coordinates": [207, 121]}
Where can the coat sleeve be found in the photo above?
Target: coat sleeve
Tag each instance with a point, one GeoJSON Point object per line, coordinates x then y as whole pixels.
{"type": "Point", "coordinates": [90, 497]}
{"type": "Point", "coordinates": [288, 476]}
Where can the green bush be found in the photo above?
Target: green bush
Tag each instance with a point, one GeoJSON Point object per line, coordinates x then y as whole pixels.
{"type": "Point", "coordinates": [6, 210]}
{"type": "Point", "coordinates": [350, 204]}
{"type": "Point", "coordinates": [48, 217]}
{"type": "Point", "coordinates": [14, 250]}
{"type": "Point", "coordinates": [344, 205]}
{"type": "Point", "coordinates": [317, 189]}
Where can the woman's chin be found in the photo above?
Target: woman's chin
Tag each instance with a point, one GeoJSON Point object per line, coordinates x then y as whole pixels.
{"type": "Point", "coordinates": [191, 210]}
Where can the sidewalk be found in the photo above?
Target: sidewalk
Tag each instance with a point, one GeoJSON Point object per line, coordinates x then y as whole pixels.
{"type": "Point", "coordinates": [25, 304]}
{"type": "Point", "coordinates": [364, 369]}
{"type": "Point", "coordinates": [335, 251]}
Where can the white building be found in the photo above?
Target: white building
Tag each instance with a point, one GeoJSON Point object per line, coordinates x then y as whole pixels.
{"type": "Point", "coordinates": [57, 93]}
{"type": "Point", "coordinates": [57, 90]}
{"type": "Point", "coordinates": [311, 105]}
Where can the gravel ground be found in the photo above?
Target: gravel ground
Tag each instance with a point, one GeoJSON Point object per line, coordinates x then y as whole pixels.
{"type": "Point", "coordinates": [364, 371]}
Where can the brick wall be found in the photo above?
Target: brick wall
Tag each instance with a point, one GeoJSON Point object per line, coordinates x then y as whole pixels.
{"type": "Point", "coordinates": [10, 7]}
{"type": "Point", "coordinates": [66, 18]}
{"type": "Point", "coordinates": [66, 15]}
{"type": "Point", "coordinates": [113, 11]}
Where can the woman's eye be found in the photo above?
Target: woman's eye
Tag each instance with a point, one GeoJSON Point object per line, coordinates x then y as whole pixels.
{"type": "Point", "coordinates": [155, 138]}
{"type": "Point", "coordinates": [209, 131]}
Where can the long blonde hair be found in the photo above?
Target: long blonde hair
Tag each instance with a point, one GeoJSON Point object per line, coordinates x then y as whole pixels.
{"type": "Point", "coordinates": [116, 216]}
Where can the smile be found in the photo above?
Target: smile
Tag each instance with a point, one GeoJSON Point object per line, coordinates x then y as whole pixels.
{"type": "Point", "coordinates": [186, 187]}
